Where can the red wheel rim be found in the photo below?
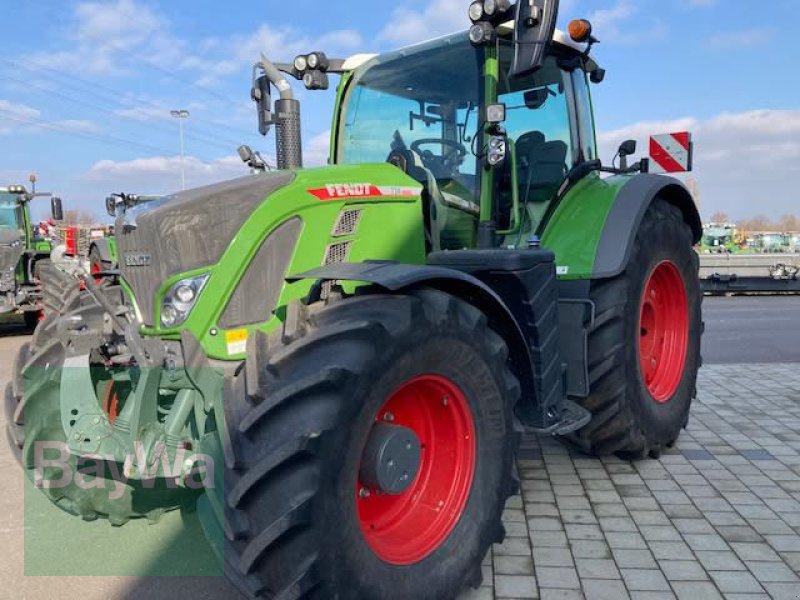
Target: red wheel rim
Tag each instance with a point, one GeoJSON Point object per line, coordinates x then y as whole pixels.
{"type": "Point", "coordinates": [664, 331]}
{"type": "Point", "coordinates": [95, 269]}
{"type": "Point", "coordinates": [404, 529]}
{"type": "Point", "coordinates": [111, 402]}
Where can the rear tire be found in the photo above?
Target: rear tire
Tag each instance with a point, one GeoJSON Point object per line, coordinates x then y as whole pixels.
{"type": "Point", "coordinates": [56, 286]}
{"type": "Point", "coordinates": [638, 412]}
{"type": "Point", "coordinates": [293, 447]}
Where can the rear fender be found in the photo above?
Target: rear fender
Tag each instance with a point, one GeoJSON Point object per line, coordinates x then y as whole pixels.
{"type": "Point", "coordinates": [619, 233]}
{"type": "Point", "coordinates": [594, 226]}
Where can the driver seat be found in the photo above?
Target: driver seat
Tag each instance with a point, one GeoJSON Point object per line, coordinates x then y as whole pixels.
{"type": "Point", "coordinates": [436, 209]}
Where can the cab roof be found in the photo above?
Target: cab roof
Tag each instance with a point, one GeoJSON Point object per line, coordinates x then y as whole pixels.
{"type": "Point", "coordinates": [560, 38]}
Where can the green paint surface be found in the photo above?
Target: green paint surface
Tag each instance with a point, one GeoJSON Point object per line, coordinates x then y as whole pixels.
{"type": "Point", "coordinates": [391, 228]}
{"type": "Point", "coordinates": [576, 226]}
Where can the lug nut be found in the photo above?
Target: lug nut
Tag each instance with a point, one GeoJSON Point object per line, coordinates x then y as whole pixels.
{"type": "Point", "coordinates": [388, 417]}
{"type": "Point", "coordinates": [364, 492]}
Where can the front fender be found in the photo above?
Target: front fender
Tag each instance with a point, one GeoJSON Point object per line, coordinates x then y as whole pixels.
{"type": "Point", "coordinates": [395, 277]}
{"type": "Point", "coordinates": [104, 248]}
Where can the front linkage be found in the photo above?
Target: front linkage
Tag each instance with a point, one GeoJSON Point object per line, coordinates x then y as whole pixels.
{"type": "Point", "coordinates": [123, 419]}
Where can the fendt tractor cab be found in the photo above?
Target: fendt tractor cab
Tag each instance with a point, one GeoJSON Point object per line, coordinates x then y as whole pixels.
{"type": "Point", "coordinates": [343, 358]}
{"type": "Point", "coordinates": [24, 252]}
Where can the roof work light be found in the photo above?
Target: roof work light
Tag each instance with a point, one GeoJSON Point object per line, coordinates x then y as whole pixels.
{"type": "Point", "coordinates": [486, 15]}
{"type": "Point", "coordinates": [312, 69]}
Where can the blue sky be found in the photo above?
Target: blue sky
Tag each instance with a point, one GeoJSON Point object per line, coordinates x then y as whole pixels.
{"type": "Point", "coordinates": [86, 87]}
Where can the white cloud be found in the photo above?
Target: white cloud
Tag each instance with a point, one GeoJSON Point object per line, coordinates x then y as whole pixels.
{"type": "Point", "coordinates": [612, 25]}
{"type": "Point", "coordinates": [278, 43]}
{"type": "Point", "coordinates": [745, 162]}
{"type": "Point", "coordinates": [106, 34]}
{"type": "Point", "coordinates": [408, 25]}
{"type": "Point", "coordinates": [14, 116]}
{"type": "Point", "coordinates": [749, 38]}
{"type": "Point", "coordinates": [317, 150]}
{"type": "Point", "coordinates": [161, 174]}
{"type": "Point", "coordinates": [20, 119]}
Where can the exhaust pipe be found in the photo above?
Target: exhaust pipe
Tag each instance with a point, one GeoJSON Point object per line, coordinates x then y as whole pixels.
{"type": "Point", "coordinates": [288, 137]}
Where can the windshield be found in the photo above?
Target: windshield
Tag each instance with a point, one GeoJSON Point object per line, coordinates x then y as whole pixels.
{"type": "Point", "coordinates": [11, 228]}
{"type": "Point", "coordinates": [424, 104]}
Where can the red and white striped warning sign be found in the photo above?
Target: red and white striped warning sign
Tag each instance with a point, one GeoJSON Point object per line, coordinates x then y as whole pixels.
{"type": "Point", "coordinates": [671, 153]}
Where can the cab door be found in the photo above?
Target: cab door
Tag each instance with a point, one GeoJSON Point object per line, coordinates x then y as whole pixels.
{"type": "Point", "coordinates": [544, 139]}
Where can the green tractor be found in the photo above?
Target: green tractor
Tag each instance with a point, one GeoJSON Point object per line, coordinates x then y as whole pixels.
{"type": "Point", "coordinates": [24, 254]}
{"type": "Point", "coordinates": [337, 363]}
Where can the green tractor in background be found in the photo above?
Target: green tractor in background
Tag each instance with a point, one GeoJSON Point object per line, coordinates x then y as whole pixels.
{"type": "Point", "coordinates": [351, 352]}
{"type": "Point", "coordinates": [24, 254]}
{"type": "Point", "coordinates": [103, 255]}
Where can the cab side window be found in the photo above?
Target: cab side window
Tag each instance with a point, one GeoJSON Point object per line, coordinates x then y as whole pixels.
{"type": "Point", "coordinates": [539, 111]}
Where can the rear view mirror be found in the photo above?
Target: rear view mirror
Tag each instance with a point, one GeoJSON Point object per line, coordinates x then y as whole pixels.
{"type": "Point", "coordinates": [535, 99]}
{"type": "Point", "coordinates": [111, 206]}
{"type": "Point", "coordinates": [533, 30]}
{"type": "Point", "coordinates": [56, 209]}
{"type": "Point", "coordinates": [245, 153]}
{"type": "Point", "coordinates": [262, 97]}
{"type": "Point", "coordinates": [627, 148]}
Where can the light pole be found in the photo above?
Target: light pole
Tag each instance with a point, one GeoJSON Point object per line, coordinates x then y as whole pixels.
{"type": "Point", "coordinates": [181, 115]}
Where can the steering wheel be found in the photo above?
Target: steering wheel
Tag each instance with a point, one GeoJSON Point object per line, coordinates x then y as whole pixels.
{"type": "Point", "coordinates": [441, 166]}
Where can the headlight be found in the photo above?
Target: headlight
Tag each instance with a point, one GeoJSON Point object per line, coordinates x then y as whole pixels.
{"type": "Point", "coordinates": [476, 11]}
{"type": "Point", "coordinates": [180, 301]}
{"type": "Point", "coordinates": [301, 63]}
{"type": "Point", "coordinates": [481, 33]}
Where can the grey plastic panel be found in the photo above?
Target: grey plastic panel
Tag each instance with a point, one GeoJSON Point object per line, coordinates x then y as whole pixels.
{"type": "Point", "coordinates": [9, 257]}
{"type": "Point", "coordinates": [256, 296]}
{"type": "Point", "coordinates": [187, 231]}
{"type": "Point", "coordinates": [616, 242]}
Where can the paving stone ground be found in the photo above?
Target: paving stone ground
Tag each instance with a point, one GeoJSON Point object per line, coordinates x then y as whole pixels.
{"type": "Point", "coordinates": [717, 516]}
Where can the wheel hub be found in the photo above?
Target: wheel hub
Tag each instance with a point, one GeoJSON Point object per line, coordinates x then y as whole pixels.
{"type": "Point", "coordinates": [405, 520]}
{"type": "Point", "coordinates": [391, 459]}
{"type": "Point", "coordinates": [663, 331]}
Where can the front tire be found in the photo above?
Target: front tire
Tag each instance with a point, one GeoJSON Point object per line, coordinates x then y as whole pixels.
{"type": "Point", "coordinates": [644, 348]}
{"type": "Point", "coordinates": [299, 520]}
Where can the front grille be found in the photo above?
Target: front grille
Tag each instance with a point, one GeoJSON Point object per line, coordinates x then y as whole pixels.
{"type": "Point", "coordinates": [257, 293]}
{"type": "Point", "coordinates": [337, 253]}
{"type": "Point", "coordinates": [347, 223]}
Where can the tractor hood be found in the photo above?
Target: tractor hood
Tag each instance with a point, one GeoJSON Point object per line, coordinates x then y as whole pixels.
{"type": "Point", "coordinates": [186, 231]}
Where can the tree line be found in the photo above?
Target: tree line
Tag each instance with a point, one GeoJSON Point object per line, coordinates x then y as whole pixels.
{"type": "Point", "coordinates": [786, 224]}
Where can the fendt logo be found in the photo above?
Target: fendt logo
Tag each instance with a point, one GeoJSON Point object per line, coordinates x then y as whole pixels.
{"type": "Point", "coordinates": [138, 260]}
{"type": "Point", "coordinates": [338, 191]}
{"type": "Point", "coordinates": [346, 190]}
